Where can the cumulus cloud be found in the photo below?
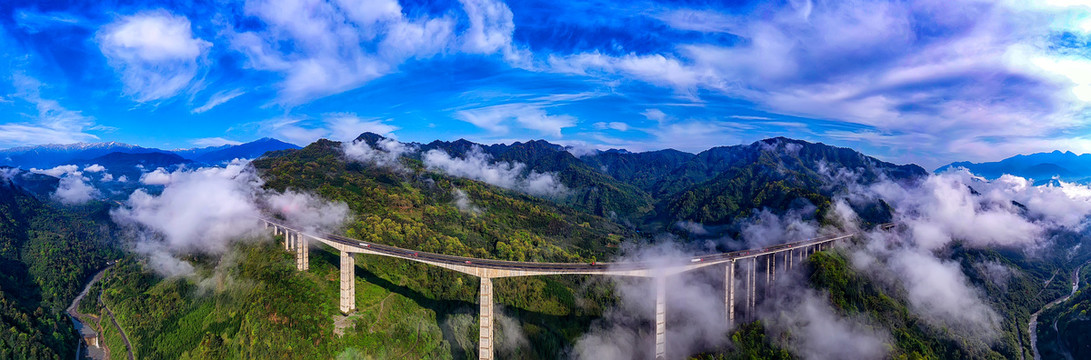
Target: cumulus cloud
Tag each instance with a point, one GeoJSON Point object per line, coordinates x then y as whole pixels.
{"type": "Point", "coordinates": [94, 168]}
{"type": "Point", "coordinates": [326, 47]}
{"type": "Point", "coordinates": [388, 153]}
{"type": "Point", "coordinates": [58, 171]}
{"type": "Point", "coordinates": [479, 166]}
{"type": "Point", "coordinates": [159, 176]}
{"type": "Point", "coordinates": [205, 210]}
{"type": "Point", "coordinates": [74, 190]}
{"type": "Point", "coordinates": [155, 52]}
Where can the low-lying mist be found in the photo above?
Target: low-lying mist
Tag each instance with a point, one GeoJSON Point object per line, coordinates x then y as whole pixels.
{"type": "Point", "coordinates": [204, 210]}
{"type": "Point", "coordinates": [932, 214]}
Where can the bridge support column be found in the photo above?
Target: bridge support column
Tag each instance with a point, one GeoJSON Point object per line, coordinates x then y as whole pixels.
{"type": "Point", "coordinates": [789, 256]}
{"type": "Point", "coordinates": [753, 287]}
{"type": "Point", "coordinates": [302, 253]}
{"type": "Point", "coordinates": [768, 270]}
{"type": "Point", "coordinates": [484, 341]}
{"type": "Point", "coordinates": [348, 283]}
{"type": "Point", "coordinates": [287, 240]}
{"type": "Point", "coordinates": [773, 272]}
{"type": "Point", "coordinates": [661, 318]}
{"type": "Point", "coordinates": [729, 292]}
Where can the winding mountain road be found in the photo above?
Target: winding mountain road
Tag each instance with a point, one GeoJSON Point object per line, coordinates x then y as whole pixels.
{"type": "Point", "coordinates": [1032, 326]}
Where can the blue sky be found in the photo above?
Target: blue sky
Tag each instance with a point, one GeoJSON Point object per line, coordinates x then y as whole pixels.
{"type": "Point", "coordinates": [929, 81]}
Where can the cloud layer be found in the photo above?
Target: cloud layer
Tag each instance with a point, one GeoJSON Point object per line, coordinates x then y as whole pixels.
{"type": "Point", "coordinates": [479, 166]}
{"type": "Point", "coordinates": [205, 210]}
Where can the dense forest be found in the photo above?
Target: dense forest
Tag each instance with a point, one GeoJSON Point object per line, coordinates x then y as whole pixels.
{"type": "Point", "coordinates": [46, 254]}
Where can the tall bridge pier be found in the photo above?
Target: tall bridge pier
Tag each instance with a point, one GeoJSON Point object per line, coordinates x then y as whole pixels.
{"type": "Point", "coordinates": [486, 270]}
{"type": "Point", "coordinates": [348, 282]}
{"type": "Point", "coordinates": [485, 320]}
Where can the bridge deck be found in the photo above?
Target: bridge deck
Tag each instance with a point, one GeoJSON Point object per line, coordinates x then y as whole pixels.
{"type": "Point", "coordinates": [503, 268]}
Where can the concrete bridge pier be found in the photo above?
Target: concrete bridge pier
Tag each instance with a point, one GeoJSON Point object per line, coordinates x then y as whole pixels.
{"type": "Point", "coordinates": [302, 253]}
{"type": "Point", "coordinates": [729, 292]}
{"type": "Point", "coordinates": [753, 288]}
{"type": "Point", "coordinates": [348, 283]}
{"type": "Point", "coordinates": [788, 257]}
{"type": "Point", "coordinates": [287, 240]}
{"type": "Point", "coordinates": [484, 341]}
{"type": "Point", "coordinates": [768, 270]}
{"type": "Point", "coordinates": [660, 317]}
{"type": "Point", "coordinates": [773, 272]}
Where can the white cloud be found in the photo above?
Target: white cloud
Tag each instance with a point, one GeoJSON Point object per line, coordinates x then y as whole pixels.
{"type": "Point", "coordinates": [479, 166]}
{"type": "Point", "coordinates": [205, 210]}
{"type": "Point", "coordinates": [326, 47]}
{"type": "Point", "coordinates": [655, 115]}
{"type": "Point", "coordinates": [616, 125]}
{"type": "Point", "coordinates": [58, 171]}
{"type": "Point", "coordinates": [53, 123]}
{"type": "Point", "coordinates": [218, 99]}
{"type": "Point", "coordinates": [74, 190]}
{"type": "Point", "coordinates": [387, 155]}
{"type": "Point", "coordinates": [497, 119]}
{"type": "Point", "coordinates": [155, 52]}
{"type": "Point", "coordinates": [463, 202]}
{"type": "Point", "coordinates": [158, 177]}
{"type": "Point", "coordinates": [346, 127]}
{"type": "Point", "coordinates": [491, 26]}
{"type": "Point", "coordinates": [994, 84]}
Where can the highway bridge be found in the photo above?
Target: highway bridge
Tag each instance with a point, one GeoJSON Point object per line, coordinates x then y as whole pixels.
{"type": "Point", "coordinates": [745, 264]}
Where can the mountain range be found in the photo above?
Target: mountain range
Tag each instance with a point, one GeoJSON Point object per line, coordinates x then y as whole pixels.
{"type": "Point", "coordinates": [659, 188]}
{"type": "Point", "coordinates": [48, 156]}
{"type": "Point", "coordinates": [1041, 167]}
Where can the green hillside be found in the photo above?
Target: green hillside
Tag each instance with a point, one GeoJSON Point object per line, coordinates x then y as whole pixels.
{"type": "Point", "coordinates": [45, 256]}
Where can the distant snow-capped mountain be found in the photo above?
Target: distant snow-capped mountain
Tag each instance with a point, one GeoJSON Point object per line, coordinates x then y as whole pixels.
{"type": "Point", "coordinates": [44, 156]}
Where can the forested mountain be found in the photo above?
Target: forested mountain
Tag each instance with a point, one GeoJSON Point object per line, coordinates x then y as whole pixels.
{"type": "Point", "coordinates": [714, 187]}
{"type": "Point", "coordinates": [45, 256]}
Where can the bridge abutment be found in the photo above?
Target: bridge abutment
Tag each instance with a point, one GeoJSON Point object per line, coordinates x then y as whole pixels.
{"type": "Point", "coordinates": [484, 342]}
{"type": "Point", "coordinates": [348, 283]}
